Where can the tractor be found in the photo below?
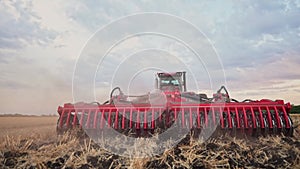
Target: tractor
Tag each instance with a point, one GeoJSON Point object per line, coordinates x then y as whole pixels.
{"type": "Point", "coordinates": [171, 104]}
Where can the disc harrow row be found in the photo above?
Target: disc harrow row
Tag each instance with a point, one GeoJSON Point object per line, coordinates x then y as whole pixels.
{"type": "Point", "coordinates": [251, 118]}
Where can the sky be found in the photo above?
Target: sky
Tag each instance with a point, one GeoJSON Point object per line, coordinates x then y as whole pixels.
{"type": "Point", "coordinates": [256, 44]}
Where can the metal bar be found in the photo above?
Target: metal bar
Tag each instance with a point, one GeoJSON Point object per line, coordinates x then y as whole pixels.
{"type": "Point", "coordinates": [160, 115]}
{"type": "Point", "coordinates": [88, 119]}
{"type": "Point", "coordinates": [286, 118]}
{"type": "Point", "coordinates": [61, 118]}
{"type": "Point", "coordinates": [102, 119]}
{"type": "Point", "coordinates": [117, 120]}
{"type": "Point", "coordinates": [253, 118]}
{"type": "Point", "coordinates": [130, 119]}
{"type": "Point", "coordinates": [240, 105]}
{"type": "Point", "coordinates": [245, 118]}
{"type": "Point", "coordinates": [74, 119]}
{"type": "Point", "coordinates": [109, 118]}
{"type": "Point", "coordinates": [95, 119]}
{"type": "Point", "coordinates": [175, 114]}
{"type": "Point", "coordinates": [145, 120]}
{"type": "Point", "coordinates": [269, 117]}
{"type": "Point", "coordinates": [191, 118]}
{"type": "Point", "coordinates": [123, 119]}
{"type": "Point", "coordinates": [68, 118]}
{"type": "Point", "coordinates": [138, 119]}
{"type": "Point", "coordinates": [221, 117]}
{"type": "Point", "coordinates": [206, 118]}
{"type": "Point", "coordinates": [153, 119]}
{"type": "Point", "coordinates": [277, 117]}
{"type": "Point", "coordinates": [198, 118]}
{"type": "Point", "coordinates": [213, 116]}
{"type": "Point", "coordinates": [229, 118]}
{"type": "Point", "coordinates": [81, 118]}
{"type": "Point", "coordinates": [261, 118]}
{"type": "Point", "coordinates": [237, 117]}
{"type": "Point", "coordinates": [182, 118]}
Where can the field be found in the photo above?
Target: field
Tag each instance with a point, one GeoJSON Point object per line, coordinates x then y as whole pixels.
{"type": "Point", "coordinates": [31, 142]}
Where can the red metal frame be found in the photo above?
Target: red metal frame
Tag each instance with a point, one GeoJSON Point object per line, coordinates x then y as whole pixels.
{"type": "Point", "coordinates": [89, 115]}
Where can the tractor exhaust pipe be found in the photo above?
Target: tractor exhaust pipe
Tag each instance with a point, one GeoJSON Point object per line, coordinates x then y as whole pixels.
{"type": "Point", "coordinates": [184, 81]}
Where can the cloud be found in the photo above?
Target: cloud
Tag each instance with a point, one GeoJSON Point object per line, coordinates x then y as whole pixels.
{"type": "Point", "coordinates": [257, 41]}
{"type": "Point", "coordinates": [20, 26]}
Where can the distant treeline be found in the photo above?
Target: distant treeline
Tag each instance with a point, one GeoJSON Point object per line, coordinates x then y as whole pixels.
{"type": "Point", "coordinates": [295, 109]}
{"type": "Point", "coordinates": [25, 115]}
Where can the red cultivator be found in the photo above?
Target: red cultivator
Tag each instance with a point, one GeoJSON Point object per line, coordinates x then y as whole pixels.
{"type": "Point", "coordinates": [156, 112]}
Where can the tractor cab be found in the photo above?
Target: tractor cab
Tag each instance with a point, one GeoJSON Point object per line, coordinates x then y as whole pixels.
{"type": "Point", "coordinates": [171, 81]}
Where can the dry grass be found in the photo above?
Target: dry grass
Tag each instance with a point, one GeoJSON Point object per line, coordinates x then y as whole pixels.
{"type": "Point", "coordinates": [44, 149]}
{"type": "Point", "coordinates": [296, 119]}
{"type": "Point", "coordinates": [26, 126]}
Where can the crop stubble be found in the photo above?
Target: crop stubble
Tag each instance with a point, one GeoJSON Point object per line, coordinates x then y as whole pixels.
{"type": "Point", "coordinates": [31, 142]}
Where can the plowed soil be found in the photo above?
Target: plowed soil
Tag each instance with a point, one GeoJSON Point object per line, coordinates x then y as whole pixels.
{"type": "Point", "coordinates": [31, 142]}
